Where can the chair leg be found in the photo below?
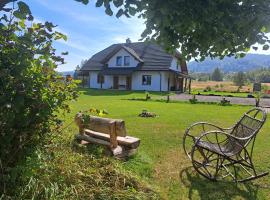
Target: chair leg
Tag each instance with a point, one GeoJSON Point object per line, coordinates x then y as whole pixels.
{"type": "Point", "coordinates": [254, 177]}
{"type": "Point", "coordinates": [205, 163]}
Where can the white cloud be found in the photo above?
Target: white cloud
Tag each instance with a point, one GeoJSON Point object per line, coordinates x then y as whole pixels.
{"type": "Point", "coordinates": [68, 12]}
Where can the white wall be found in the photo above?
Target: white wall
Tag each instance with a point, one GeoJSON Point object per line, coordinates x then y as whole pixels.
{"type": "Point", "coordinates": [93, 80]}
{"type": "Point", "coordinates": [136, 81]}
{"type": "Point", "coordinates": [174, 65]}
{"type": "Point", "coordinates": [122, 52]}
{"type": "Point", "coordinates": [108, 81]}
{"type": "Point", "coordinates": [156, 78]}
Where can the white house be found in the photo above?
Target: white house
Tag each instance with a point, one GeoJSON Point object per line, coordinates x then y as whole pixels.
{"type": "Point", "coordinates": [136, 66]}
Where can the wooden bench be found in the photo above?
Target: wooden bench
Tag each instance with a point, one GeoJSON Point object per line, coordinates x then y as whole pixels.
{"type": "Point", "coordinates": [110, 133]}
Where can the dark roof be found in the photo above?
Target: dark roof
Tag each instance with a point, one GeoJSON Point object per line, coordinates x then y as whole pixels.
{"type": "Point", "coordinates": [150, 55]}
{"type": "Point", "coordinates": [181, 74]}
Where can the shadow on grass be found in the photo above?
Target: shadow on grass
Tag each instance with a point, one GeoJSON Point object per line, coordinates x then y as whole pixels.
{"type": "Point", "coordinates": [103, 92]}
{"type": "Point", "coordinates": [205, 189]}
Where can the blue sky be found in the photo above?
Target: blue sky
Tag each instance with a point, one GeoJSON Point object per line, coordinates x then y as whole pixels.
{"type": "Point", "coordinates": [88, 28]}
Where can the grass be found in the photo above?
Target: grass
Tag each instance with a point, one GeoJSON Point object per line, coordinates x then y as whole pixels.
{"type": "Point", "coordinates": [232, 94]}
{"type": "Point", "coordinates": [224, 88]}
{"type": "Point", "coordinates": [160, 169]}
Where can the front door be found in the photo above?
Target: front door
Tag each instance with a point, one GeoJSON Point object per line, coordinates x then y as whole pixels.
{"type": "Point", "coordinates": [128, 83]}
{"type": "Point", "coordinates": [115, 82]}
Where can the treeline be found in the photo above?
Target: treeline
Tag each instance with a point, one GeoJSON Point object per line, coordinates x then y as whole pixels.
{"type": "Point", "coordinates": [261, 75]}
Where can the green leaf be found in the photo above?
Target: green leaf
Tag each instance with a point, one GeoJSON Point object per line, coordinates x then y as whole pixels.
{"type": "Point", "coordinates": [132, 11]}
{"type": "Point", "coordinates": [49, 26]}
{"type": "Point", "coordinates": [85, 2]}
{"type": "Point", "coordinates": [22, 24]}
{"type": "Point", "coordinates": [118, 3]}
{"type": "Point", "coordinates": [264, 29]}
{"type": "Point", "coordinates": [24, 8]}
{"type": "Point", "coordinates": [108, 11]}
{"type": "Point", "coordinates": [265, 47]}
{"type": "Point", "coordinates": [120, 13]}
{"type": "Point", "coordinates": [255, 48]}
{"type": "Point", "coordinates": [18, 14]}
{"type": "Point", "coordinates": [99, 3]}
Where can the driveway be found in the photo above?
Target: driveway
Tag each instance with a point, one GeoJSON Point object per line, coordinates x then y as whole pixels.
{"type": "Point", "coordinates": [233, 100]}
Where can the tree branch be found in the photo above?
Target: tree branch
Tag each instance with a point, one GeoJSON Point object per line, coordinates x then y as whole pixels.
{"type": "Point", "coordinates": [3, 3]}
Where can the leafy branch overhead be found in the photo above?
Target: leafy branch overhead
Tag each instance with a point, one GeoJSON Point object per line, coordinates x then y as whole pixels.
{"type": "Point", "coordinates": [200, 28]}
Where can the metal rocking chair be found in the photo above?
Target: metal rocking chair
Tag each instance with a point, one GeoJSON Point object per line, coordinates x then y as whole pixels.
{"type": "Point", "coordinates": [220, 154]}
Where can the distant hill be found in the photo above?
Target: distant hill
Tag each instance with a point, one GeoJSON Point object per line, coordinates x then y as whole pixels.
{"type": "Point", "coordinates": [67, 73]}
{"type": "Point", "coordinates": [230, 64]}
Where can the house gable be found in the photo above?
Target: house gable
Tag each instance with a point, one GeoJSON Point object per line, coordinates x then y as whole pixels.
{"type": "Point", "coordinates": [133, 62]}
{"type": "Point", "coordinates": [175, 65]}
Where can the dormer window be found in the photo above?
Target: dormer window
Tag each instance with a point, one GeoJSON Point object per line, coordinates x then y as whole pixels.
{"type": "Point", "coordinates": [119, 60]}
{"type": "Point", "coordinates": [127, 60]}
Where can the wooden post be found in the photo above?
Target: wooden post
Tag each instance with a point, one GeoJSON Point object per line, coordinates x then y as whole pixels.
{"type": "Point", "coordinates": [189, 86]}
{"type": "Point", "coordinates": [78, 121]}
{"type": "Point", "coordinates": [83, 80]}
{"type": "Point", "coordinates": [113, 136]}
{"type": "Point", "coordinates": [185, 84]}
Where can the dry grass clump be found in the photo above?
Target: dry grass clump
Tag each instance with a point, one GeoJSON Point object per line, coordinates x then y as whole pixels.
{"type": "Point", "coordinates": [73, 171]}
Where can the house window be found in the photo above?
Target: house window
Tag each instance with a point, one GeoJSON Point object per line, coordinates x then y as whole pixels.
{"type": "Point", "coordinates": [100, 79]}
{"type": "Point", "coordinates": [146, 80]}
{"type": "Point", "coordinates": [119, 60]}
{"type": "Point", "coordinates": [127, 60]}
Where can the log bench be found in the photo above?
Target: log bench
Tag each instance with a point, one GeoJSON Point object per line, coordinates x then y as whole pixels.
{"type": "Point", "coordinates": [110, 133]}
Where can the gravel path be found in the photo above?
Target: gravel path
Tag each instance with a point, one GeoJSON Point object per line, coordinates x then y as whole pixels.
{"type": "Point", "coordinates": [233, 100]}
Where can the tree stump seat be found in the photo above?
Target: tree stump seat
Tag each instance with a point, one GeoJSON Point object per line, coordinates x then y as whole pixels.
{"type": "Point", "coordinates": [110, 133]}
{"type": "Point", "coordinates": [128, 141]}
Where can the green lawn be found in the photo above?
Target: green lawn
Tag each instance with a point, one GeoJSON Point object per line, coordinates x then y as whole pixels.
{"type": "Point", "coordinates": [160, 160]}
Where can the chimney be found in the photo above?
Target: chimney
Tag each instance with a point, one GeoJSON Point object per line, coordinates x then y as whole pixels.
{"type": "Point", "coordinates": [128, 41]}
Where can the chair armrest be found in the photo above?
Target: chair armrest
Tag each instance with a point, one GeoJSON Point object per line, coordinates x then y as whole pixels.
{"type": "Point", "coordinates": [195, 131]}
{"type": "Point", "coordinates": [204, 125]}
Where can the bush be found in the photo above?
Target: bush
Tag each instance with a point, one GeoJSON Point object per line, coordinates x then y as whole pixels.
{"type": "Point", "coordinates": [32, 94]}
{"type": "Point", "coordinates": [147, 96]}
{"type": "Point", "coordinates": [224, 102]}
{"type": "Point", "coordinates": [207, 89]}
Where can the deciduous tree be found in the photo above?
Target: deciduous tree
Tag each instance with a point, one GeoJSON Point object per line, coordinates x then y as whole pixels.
{"type": "Point", "coordinates": [200, 28]}
{"type": "Point", "coordinates": [31, 91]}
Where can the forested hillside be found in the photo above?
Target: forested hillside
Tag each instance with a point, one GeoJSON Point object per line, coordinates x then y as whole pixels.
{"type": "Point", "coordinates": [230, 64]}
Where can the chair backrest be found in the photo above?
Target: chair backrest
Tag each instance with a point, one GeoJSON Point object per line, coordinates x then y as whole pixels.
{"type": "Point", "coordinates": [100, 124]}
{"type": "Point", "coordinates": [247, 127]}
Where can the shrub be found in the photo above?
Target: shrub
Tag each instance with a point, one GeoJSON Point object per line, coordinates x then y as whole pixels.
{"type": "Point", "coordinates": [207, 89]}
{"type": "Point", "coordinates": [32, 94]}
{"type": "Point", "coordinates": [224, 102]}
{"type": "Point", "coordinates": [147, 96]}
{"type": "Point", "coordinates": [168, 98]}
